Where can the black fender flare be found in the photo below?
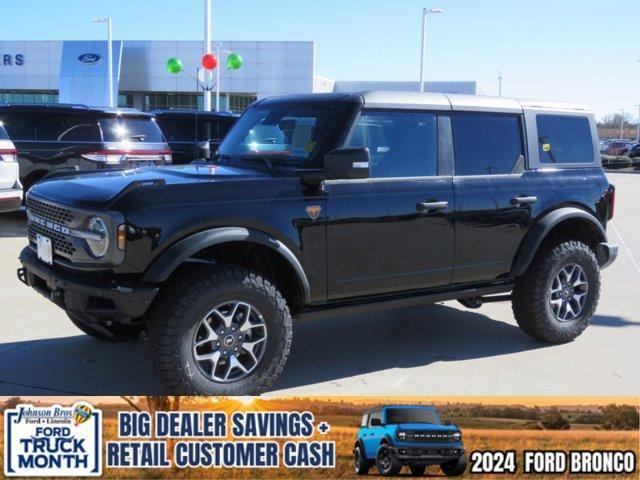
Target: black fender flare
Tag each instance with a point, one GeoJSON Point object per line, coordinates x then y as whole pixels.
{"type": "Point", "coordinates": [175, 255]}
{"type": "Point", "coordinates": [542, 227]}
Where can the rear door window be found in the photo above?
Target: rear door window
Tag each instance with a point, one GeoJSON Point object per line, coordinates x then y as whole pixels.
{"type": "Point", "coordinates": [130, 129]}
{"type": "Point", "coordinates": [61, 127]}
{"type": "Point", "coordinates": [564, 139]}
{"type": "Point", "coordinates": [401, 144]}
{"type": "Point", "coordinates": [487, 143]}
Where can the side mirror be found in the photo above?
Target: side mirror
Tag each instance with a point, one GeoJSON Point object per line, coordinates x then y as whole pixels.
{"type": "Point", "coordinates": [203, 150]}
{"type": "Point", "coordinates": [447, 423]}
{"type": "Point", "coordinates": [347, 163]}
{"type": "Point", "coordinates": [376, 422]}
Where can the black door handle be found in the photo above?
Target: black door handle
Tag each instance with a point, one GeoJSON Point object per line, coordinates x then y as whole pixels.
{"type": "Point", "coordinates": [523, 200]}
{"type": "Point", "coordinates": [426, 207]}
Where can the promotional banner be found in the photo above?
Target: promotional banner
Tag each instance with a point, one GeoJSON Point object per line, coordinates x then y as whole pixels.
{"type": "Point", "coordinates": [319, 437]}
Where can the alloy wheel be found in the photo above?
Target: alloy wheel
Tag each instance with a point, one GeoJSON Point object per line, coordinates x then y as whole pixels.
{"type": "Point", "coordinates": [568, 292]}
{"type": "Point", "coordinates": [229, 341]}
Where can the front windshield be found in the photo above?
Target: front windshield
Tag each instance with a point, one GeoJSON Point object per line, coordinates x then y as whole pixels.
{"type": "Point", "coordinates": [411, 415]}
{"type": "Point", "coordinates": [292, 133]}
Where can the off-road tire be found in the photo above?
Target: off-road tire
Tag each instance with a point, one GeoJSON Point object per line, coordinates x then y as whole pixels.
{"type": "Point", "coordinates": [394, 466]}
{"type": "Point", "coordinates": [177, 313]}
{"type": "Point", "coordinates": [362, 465]}
{"type": "Point", "coordinates": [530, 300]}
{"type": "Point", "coordinates": [117, 333]}
{"type": "Point", "coordinates": [455, 468]}
{"type": "Point", "coordinates": [417, 470]}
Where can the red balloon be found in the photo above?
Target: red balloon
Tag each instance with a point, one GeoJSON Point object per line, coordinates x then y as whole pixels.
{"type": "Point", "coordinates": [209, 61]}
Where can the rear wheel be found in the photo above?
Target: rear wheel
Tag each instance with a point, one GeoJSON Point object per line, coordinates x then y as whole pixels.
{"type": "Point", "coordinates": [557, 296]}
{"type": "Point", "coordinates": [455, 468]}
{"type": "Point", "coordinates": [362, 465]}
{"type": "Point", "coordinates": [219, 331]}
{"type": "Point", "coordinates": [386, 461]}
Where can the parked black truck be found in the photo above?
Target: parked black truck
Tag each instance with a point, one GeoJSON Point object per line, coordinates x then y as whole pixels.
{"type": "Point", "coordinates": [326, 204]}
{"type": "Point", "coordinates": [193, 134]}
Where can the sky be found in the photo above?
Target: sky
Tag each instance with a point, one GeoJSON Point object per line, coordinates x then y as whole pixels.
{"type": "Point", "coordinates": [583, 51]}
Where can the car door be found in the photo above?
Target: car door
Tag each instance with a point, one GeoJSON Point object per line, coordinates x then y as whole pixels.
{"type": "Point", "coordinates": [371, 438]}
{"type": "Point", "coordinates": [497, 198]}
{"type": "Point", "coordinates": [393, 231]}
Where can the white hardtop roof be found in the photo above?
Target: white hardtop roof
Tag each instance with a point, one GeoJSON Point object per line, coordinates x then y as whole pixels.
{"type": "Point", "coordinates": [448, 101]}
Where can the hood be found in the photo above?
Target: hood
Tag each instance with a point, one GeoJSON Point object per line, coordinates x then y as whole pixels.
{"type": "Point", "coordinates": [97, 189]}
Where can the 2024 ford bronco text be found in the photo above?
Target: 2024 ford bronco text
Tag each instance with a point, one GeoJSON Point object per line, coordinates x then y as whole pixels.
{"type": "Point", "coordinates": [393, 436]}
{"type": "Point", "coordinates": [328, 204]}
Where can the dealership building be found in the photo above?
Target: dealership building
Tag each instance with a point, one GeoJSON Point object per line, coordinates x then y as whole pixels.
{"type": "Point", "coordinates": [77, 72]}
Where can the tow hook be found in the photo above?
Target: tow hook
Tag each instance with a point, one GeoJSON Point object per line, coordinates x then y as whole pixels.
{"type": "Point", "coordinates": [22, 275]}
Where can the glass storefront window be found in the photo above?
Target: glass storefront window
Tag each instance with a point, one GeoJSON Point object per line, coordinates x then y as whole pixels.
{"type": "Point", "coordinates": [28, 96]}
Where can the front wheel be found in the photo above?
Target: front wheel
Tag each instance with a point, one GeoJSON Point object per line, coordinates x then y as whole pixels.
{"type": "Point", "coordinates": [455, 468]}
{"type": "Point", "coordinates": [219, 331]}
{"type": "Point", "coordinates": [558, 294]}
{"type": "Point", "coordinates": [386, 461]}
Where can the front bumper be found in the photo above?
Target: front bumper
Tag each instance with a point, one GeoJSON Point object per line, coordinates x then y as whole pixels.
{"type": "Point", "coordinates": [606, 253]}
{"type": "Point", "coordinates": [427, 455]}
{"type": "Point", "coordinates": [88, 297]}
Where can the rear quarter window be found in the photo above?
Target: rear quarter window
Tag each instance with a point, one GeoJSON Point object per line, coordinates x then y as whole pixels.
{"type": "Point", "coordinates": [130, 129]}
{"type": "Point", "coordinates": [564, 139]}
{"type": "Point", "coordinates": [3, 133]}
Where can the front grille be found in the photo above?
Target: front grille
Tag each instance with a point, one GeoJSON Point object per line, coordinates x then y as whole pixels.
{"type": "Point", "coordinates": [53, 213]}
{"type": "Point", "coordinates": [60, 242]}
{"type": "Point", "coordinates": [430, 436]}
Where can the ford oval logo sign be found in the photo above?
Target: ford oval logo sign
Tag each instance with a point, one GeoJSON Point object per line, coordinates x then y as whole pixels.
{"type": "Point", "coordinates": [90, 58]}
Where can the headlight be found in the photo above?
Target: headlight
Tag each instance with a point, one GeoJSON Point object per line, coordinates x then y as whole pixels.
{"type": "Point", "coordinates": [457, 436]}
{"type": "Point", "coordinates": [100, 241]}
{"type": "Point", "coordinates": [402, 435]}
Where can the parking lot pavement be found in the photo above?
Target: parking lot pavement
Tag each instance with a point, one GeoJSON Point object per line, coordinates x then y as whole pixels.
{"type": "Point", "coordinates": [437, 349]}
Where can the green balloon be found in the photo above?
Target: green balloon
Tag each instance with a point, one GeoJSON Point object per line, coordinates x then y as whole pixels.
{"type": "Point", "coordinates": [174, 65]}
{"type": "Point", "coordinates": [234, 61]}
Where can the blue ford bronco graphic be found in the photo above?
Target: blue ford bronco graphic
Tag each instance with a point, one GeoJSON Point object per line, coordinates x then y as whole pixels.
{"type": "Point", "coordinates": [393, 436]}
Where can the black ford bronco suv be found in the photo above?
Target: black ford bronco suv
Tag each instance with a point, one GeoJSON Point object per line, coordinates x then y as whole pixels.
{"type": "Point", "coordinates": [328, 204]}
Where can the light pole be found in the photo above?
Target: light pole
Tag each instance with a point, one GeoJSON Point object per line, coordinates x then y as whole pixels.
{"type": "Point", "coordinates": [218, 51]}
{"type": "Point", "coordinates": [621, 123]}
{"type": "Point", "coordinates": [207, 49]}
{"type": "Point", "coordinates": [109, 56]}
{"type": "Point", "coordinates": [499, 83]}
{"type": "Point", "coordinates": [425, 12]}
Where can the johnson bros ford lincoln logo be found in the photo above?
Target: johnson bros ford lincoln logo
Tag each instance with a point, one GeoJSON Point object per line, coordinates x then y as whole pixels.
{"type": "Point", "coordinates": [53, 441]}
{"type": "Point", "coordinates": [90, 58]}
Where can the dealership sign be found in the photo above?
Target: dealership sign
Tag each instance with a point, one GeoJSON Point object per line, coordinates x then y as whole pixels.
{"type": "Point", "coordinates": [90, 58]}
{"type": "Point", "coordinates": [53, 441]}
{"type": "Point", "coordinates": [11, 60]}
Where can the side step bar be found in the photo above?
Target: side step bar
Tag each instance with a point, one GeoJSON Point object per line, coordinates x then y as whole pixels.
{"type": "Point", "coordinates": [388, 303]}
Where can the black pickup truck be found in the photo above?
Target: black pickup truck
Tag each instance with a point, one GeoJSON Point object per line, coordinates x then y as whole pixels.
{"type": "Point", "coordinates": [327, 204]}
